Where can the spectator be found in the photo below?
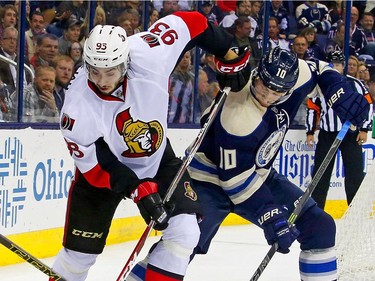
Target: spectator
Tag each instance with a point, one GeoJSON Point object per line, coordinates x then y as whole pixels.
{"type": "Point", "coordinates": [357, 34]}
{"type": "Point", "coordinates": [75, 52]}
{"type": "Point", "coordinates": [37, 27]}
{"type": "Point", "coordinates": [27, 6]}
{"type": "Point", "coordinates": [255, 11]}
{"type": "Point", "coordinates": [113, 10]}
{"type": "Point", "coordinates": [210, 68]}
{"type": "Point", "coordinates": [64, 11]}
{"type": "Point", "coordinates": [71, 34]}
{"type": "Point", "coordinates": [172, 6]}
{"type": "Point", "coordinates": [181, 92]}
{"type": "Point", "coordinates": [168, 7]}
{"type": "Point", "coordinates": [8, 72]}
{"type": "Point", "coordinates": [207, 12]}
{"type": "Point", "coordinates": [8, 17]}
{"type": "Point", "coordinates": [358, 37]}
{"type": "Point", "coordinates": [64, 66]}
{"type": "Point", "coordinates": [242, 29]}
{"type": "Point", "coordinates": [133, 16]}
{"type": "Point", "coordinates": [126, 24]}
{"type": "Point", "coordinates": [314, 50]}
{"type": "Point", "coordinates": [300, 46]}
{"type": "Point", "coordinates": [277, 10]}
{"type": "Point", "coordinates": [363, 73]}
{"type": "Point", "coordinates": [47, 48]}
{"type": "Point", "coordinates": [38, 102]}
{"type": "Point", "coordinates": [367, 24]}
{"type": "Point", "coordinates": [353, 65]}
{"type": "Point", "coordinates": [337, 43]}
{"type": "Point", "coordinates": [274, 39]}
{"type": "Point", "coordinates": [99, 18]}
{"type": "Point", "coordinates": [132, 4]}
{"type": "Point", "coordinates": [77, 8]}
{"type": "Point", "coordinates": [336, 10]}
{"type": "Point", "coordinates": [243, 8]}
{"type": "Point", "coordinates": [329, 125]}
{"type": "Point", "coordinates": [313, 14]}
{"type": "Point", "coordinates": [205, 93]}
{"type": "Point", "coordinates": [154, 16]}
{"type": "Point", "coordinates": [7, 108]}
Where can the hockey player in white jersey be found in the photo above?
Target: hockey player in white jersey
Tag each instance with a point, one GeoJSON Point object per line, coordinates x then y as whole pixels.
{"type": "Point", "coordinates": [114, 122]}
{"type": "Point", "coordinates": [232, 170]}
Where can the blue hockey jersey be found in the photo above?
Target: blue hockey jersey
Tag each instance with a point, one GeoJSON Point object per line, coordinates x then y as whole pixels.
{"type": "Point", "coordinates": [242, 143]}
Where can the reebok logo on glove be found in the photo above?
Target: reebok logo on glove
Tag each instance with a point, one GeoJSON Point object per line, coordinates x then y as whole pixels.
{"type": "Point", "coordinates": [335, 97]}
{"type": "Point", "coordinates": [266, 216]}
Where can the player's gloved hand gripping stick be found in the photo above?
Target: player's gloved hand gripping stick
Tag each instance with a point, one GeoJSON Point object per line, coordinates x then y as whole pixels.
{"type": "Point", "coordinates": [30, 259]}
{"type": "Point", "coordinates": [314, 182]}
{"type": "Point", "coordinates": [219, 101]}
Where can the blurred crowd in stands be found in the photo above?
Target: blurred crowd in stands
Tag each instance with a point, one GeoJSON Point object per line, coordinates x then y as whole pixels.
{"type": "Point", "coordinates": [56, 31]}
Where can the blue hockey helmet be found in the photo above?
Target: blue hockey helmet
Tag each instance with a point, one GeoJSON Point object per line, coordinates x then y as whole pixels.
{"type": "Point", "coordinates": [278, 69]}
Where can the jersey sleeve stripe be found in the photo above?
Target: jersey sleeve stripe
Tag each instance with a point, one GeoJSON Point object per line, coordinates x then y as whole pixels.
{"type": "Point", "coordinates": [98, 177]}
{"type": "Point", "coordinates": [196, 22]}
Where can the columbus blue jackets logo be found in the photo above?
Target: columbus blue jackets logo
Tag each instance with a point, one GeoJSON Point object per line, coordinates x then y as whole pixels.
{"type": "Point", "coordinates": [270, 147]}
{"type": "Point", "coordinates": [141, 138]}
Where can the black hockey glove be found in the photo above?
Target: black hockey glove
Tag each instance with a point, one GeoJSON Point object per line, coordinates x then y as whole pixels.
{"type": "Point", "coordinates": [276, 229]}
{"type": "Point", "coordinates": [150, 205]}
{"type": "Point", "coordinates": [234, 73]}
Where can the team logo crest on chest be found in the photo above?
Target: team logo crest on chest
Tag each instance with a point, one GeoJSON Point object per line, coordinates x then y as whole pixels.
{"type": "Point", "coordinates": [271, 145]}
{"type": "Point", "coordinates": [141, 138]}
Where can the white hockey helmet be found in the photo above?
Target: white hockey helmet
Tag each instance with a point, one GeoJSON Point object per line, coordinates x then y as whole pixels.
{"type": "Point", "coordinates": [107, 46]}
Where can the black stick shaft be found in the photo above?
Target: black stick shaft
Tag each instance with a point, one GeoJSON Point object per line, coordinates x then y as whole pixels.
{"type": "Point", "coordinates": [30, 258]}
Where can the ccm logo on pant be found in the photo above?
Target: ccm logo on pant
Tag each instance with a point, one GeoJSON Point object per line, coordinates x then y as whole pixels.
{"type": "Point", "coordinates": [87, 234]}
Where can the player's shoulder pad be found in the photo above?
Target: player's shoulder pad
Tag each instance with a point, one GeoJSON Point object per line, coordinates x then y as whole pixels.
{"type": "Point", "coordinates": [307, 71]}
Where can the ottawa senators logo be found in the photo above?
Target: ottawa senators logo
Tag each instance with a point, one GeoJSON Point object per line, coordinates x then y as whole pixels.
{"type": "Point", "coordinates": [189, 191]}
{"type": "Point", "coordinates": [66, 122]}
{"type": "Point", "coordinates": [151, 40]}
{"type": "Point", "coordinates": [141, 138]}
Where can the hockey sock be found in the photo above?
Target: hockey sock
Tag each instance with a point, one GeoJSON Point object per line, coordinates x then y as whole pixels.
{"type": "Point", "coordinates": [318, 265]}
{"type": "Point", "coordinates": [73, 265]}
{"type": "Point", "coordinates": [138, 272]}
{"type": "Point", "coordinates": [153, 273]}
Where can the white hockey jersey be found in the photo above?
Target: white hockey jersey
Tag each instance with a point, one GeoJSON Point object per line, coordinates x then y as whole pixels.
{"type": "Point", "coordinates": [133, 120]}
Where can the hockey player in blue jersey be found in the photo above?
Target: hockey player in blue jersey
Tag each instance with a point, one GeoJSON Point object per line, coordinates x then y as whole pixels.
{"type": "Point", "coordinates": [232, 170]}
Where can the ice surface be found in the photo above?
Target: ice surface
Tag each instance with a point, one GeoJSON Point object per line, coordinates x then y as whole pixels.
{"type": "Point", "coordinates": [235, 253]}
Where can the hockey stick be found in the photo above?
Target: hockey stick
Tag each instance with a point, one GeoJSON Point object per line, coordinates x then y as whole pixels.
{"type": "Point", "coordinates": [219, 101]}
{"type": "Point", "coordinates": [302, 201]}
{"type": "Point", "coordinates": [30, 259]}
